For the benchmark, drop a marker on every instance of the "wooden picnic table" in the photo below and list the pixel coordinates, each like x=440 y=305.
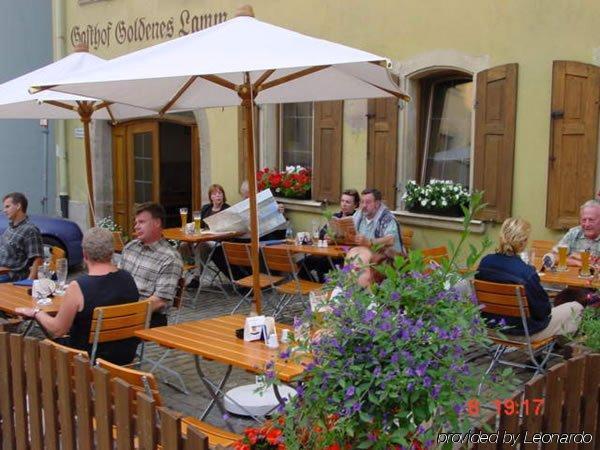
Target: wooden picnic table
x=215 y=340
x=13 y=297
x=195 y=239
x=177 y=234
x=331 y=251
x=569 y=278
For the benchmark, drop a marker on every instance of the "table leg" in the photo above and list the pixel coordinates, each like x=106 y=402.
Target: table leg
x=204 y=267
x=216 y=391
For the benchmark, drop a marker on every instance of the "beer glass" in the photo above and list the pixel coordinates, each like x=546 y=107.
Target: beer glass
x=197 y=221
x=563 y=251
x=183 y=213
x=585 y=263
x=62 y=270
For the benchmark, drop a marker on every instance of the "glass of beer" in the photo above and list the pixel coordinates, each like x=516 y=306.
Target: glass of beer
x=183 y=213
x=585 y=263
x=197 y=222
x=563 y=251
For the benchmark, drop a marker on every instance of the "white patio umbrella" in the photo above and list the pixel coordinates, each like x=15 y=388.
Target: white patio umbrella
x=17 y=103
x=239 y=62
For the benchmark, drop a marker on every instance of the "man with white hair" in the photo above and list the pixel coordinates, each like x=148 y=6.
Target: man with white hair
x=585 y=236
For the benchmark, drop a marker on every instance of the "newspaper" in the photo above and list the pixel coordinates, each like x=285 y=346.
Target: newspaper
x=237 y=217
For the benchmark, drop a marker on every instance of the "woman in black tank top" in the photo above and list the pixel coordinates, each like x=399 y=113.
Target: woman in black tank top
x=105 y=285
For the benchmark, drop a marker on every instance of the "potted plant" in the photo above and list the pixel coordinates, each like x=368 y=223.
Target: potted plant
x=439 y=197
x=390 y=367
x=293 y=182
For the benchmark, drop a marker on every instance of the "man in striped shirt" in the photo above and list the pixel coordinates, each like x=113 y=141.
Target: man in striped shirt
x=154 y=264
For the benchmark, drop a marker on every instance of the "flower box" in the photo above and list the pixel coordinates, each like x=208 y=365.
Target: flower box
x=452 y=211
x=438 y=197
x=293 y=182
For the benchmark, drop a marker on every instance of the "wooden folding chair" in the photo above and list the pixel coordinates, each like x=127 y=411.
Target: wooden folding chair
x=407 y=236
x=238 y=254
x=436 y=254
x=118 y=322
x=509 y=300
x=280 y=259
x=174 y=319
x=541 y=247
x=146 y=382
x=118 y=241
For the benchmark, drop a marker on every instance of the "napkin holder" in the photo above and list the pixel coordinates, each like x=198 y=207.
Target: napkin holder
x=258 y=328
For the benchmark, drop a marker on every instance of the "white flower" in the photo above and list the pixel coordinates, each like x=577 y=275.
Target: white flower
x=433 y=203
x=424 y=202
x=444 y=202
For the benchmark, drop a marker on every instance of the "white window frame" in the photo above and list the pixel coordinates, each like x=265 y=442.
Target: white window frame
x=280 y=137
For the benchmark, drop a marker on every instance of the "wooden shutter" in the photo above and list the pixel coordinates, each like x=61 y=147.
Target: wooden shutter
x=495 y=118
x=121 y=211
x=242 y=144
x=327 y=151
x=382 y=147
x=573 y=141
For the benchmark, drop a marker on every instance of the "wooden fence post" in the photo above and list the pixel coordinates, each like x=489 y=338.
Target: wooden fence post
x=6 y=398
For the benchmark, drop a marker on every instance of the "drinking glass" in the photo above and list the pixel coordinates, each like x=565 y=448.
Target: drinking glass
x=62 y=270
x=585 y=263
x=183 y=213
x=315 y=230
x=43 y=271
x=197 y=221
x=563 y=251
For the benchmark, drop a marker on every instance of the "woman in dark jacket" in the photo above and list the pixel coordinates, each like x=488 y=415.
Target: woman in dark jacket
x=505 y=266
x=217 y=199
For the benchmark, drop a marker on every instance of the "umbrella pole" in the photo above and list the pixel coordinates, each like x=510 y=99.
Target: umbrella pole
x=86 y=117
x=248 y=104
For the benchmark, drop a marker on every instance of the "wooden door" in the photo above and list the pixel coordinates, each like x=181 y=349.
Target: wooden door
x=382 y=147
x=573 y=141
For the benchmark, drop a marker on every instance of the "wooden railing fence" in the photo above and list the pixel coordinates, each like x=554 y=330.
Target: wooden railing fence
x=563 y=404
x=50 y=400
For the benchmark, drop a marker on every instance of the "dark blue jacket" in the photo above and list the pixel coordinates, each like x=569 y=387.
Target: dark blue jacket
x=500 y=268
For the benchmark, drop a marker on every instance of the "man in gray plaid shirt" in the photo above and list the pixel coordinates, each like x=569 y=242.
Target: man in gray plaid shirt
x=21 y=248
x=155 y=266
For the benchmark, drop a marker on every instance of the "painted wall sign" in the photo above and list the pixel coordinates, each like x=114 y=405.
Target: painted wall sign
x=142 y=29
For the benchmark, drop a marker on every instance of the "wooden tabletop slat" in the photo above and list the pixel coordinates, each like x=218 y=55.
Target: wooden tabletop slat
x=569 y=278
x=215 y=339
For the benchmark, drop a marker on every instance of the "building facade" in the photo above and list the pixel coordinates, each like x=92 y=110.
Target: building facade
x=504 y=94
x=27 y=153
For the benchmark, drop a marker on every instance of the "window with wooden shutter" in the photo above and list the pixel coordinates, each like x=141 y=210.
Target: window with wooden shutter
x=382 y=147
x=242 y=143
x=327 y=151
x=495 y=120
x=573 y=141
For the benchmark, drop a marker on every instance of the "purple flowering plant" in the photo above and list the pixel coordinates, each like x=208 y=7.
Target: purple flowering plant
x=390 y=364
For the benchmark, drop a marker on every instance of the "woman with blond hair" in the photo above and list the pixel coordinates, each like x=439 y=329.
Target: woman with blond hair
x=505 y=266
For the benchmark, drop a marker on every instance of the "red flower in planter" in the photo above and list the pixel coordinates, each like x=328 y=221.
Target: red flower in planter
x=266 y=437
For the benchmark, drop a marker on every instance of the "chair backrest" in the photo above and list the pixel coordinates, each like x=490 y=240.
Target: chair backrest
x=502 y=299
x=73 y=352
x=56 y=253
x=279 y=259
x=541 y=247
x=407 y=236
x=118 y=241
x=113 y=323
x=237 y=254
x=435 y=254
x=178 y=299
x=141 y=381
